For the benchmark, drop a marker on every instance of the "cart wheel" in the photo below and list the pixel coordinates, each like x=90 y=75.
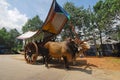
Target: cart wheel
x=31 y=52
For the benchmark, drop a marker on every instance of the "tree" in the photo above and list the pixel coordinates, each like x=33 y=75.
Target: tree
x=8 y=38
x=112 y=8
x=79 y=18
x=13 y=41
x=106 y=13
x=32 y=24
x=4 y=37
x=71 y=9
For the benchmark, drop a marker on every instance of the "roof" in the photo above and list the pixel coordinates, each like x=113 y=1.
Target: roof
x=104 y=41
x=27 y=35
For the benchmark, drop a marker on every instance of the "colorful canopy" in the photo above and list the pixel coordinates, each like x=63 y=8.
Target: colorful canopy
x=56 y=19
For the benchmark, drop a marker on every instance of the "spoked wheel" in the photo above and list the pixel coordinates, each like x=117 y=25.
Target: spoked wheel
x=31 y=52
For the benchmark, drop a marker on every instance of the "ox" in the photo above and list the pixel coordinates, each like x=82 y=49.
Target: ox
x=83 y=46
x=66 y=49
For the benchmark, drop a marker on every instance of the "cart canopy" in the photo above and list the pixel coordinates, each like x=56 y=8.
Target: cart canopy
x=56 y=19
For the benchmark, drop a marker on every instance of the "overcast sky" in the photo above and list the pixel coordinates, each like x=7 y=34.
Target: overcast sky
x=14 y=13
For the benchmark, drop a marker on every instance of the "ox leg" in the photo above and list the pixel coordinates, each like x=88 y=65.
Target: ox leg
x=66 y=62
x=43 y=59
x=74 y=61
x=46 y=61
x=29 y=56
x=34 y=58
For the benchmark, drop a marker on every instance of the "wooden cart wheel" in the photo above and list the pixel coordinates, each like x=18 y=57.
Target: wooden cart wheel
x=31 y=52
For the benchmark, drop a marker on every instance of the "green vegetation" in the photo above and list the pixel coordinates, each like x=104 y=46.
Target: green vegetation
x=32 y=24
x=8 y=38
x=97 y=22
x=113 y=59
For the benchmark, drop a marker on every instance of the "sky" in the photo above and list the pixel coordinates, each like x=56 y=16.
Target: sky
x=15 y=13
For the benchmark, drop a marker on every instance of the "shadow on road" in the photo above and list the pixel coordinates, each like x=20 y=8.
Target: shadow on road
x=81 y=65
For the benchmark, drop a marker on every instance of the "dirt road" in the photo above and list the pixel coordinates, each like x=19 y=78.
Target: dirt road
x=13 y=67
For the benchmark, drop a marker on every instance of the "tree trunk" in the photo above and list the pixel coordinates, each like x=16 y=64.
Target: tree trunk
x=96 y=52
x=101 y=52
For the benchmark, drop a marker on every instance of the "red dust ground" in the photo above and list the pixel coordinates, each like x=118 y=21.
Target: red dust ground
x=109 y=63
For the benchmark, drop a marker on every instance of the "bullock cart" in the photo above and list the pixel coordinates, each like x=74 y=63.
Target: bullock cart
x=34 y=41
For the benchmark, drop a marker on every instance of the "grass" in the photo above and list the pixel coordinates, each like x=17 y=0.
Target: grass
x=113 y=60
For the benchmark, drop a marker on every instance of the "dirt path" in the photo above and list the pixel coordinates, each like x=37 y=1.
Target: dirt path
x=13 y=67
x=108 y=63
